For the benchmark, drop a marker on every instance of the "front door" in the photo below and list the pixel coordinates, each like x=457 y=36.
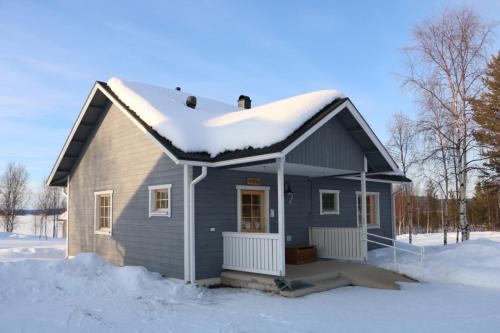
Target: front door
x=252 y=216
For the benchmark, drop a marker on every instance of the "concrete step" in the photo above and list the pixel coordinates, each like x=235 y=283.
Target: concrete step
x=319 y=286
x=249 y=280
x=313 y=278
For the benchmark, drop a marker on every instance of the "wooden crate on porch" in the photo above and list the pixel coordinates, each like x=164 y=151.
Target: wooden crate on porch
x=298 y=255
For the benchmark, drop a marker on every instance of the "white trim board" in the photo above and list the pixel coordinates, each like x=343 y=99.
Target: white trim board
x=370 y=180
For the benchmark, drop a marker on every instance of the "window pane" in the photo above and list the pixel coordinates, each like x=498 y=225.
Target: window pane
x=256 y=211
x=104 y=211
x=160 y=199
x=246 y=224
x=246 y=199
x=256 y=199
x=246 y=211
x=258 y=225
x=371 y=208
x=329 y=201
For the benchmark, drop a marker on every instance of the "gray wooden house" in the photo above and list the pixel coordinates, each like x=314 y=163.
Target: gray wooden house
x=136 y=198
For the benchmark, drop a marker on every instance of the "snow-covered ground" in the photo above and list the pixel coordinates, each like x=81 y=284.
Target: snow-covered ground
x=437 y=238
x=15 y=247
x=25 y=225
x=472 y=263
x=86 y=294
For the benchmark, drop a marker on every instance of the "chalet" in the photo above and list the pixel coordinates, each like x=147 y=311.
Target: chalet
x=194 y=188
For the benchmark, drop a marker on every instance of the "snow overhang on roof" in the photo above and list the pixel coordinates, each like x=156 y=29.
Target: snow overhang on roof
x=215 y=127
x=223 y=132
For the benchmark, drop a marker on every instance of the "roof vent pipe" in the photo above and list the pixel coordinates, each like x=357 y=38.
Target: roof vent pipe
x=244 y=102
x=191 y=102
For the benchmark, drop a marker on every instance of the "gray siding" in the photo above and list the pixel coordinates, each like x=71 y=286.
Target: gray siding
x=330 y=146
x=347 y=204
x=122 y=158
x=216 y=207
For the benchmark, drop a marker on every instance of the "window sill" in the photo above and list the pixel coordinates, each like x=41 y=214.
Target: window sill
x=105 y=232
x=330 y=213
x=159 y=214
x=374 y=226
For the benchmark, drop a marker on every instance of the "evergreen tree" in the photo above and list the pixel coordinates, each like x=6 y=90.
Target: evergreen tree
x=479 y=206
x=486 y=111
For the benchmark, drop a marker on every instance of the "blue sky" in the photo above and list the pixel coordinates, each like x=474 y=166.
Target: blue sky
x=51 y=53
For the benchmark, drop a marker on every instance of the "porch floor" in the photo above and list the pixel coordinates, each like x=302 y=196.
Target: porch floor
x=322 y=275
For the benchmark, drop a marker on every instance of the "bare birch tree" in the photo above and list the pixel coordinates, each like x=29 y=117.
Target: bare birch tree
x=445 y=65
x=403 y=148
x=435 y=126
x=49 y=203
x=13 y=193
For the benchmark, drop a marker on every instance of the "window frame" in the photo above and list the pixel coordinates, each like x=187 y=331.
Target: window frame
x=377 y=214
x=97 y=212
x=152 y=211
x=266 y=190
x=337 y=202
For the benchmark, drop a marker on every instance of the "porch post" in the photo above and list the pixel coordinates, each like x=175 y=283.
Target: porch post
x=364 y=229
x=281 y=214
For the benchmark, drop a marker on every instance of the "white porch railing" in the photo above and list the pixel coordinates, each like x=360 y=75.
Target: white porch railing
x=408 y=248
x=252 y=252
x=337 y=243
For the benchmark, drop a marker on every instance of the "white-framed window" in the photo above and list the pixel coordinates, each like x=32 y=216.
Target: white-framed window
x=253 y=208
x=372 y=209
x=159 y=200
x=103 y=212
x=329 y=202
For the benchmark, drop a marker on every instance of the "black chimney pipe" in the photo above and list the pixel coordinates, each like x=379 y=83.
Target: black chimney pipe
x=244 y=102
x=191 y=102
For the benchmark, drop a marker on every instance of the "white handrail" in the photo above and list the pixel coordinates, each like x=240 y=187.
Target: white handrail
x=395 y=248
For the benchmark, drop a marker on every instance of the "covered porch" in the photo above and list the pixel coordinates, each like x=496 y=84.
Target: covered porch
x=255 y=249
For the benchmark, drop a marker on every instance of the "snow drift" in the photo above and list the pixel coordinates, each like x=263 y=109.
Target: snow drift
x=215 y=127
x=473 y=263
x=87 y=273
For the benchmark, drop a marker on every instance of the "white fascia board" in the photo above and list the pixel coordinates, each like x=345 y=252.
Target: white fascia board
x=370 y=180
x=72 y=132
x=80 y=117
x=364 y=125
x=241 y=160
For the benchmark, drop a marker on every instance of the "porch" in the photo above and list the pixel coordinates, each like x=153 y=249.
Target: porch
x=323 y=275
x=255 y=248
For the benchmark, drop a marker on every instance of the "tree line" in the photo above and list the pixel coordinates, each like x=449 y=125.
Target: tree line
x=450 y=148
x=15 y=195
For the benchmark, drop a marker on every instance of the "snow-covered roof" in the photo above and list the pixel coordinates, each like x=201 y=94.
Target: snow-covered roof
x=215 y=127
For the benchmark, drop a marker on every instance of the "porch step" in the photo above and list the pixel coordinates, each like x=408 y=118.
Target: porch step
x=316 y=277
x=266 y=283
x=317 y=287
x=249 y=280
